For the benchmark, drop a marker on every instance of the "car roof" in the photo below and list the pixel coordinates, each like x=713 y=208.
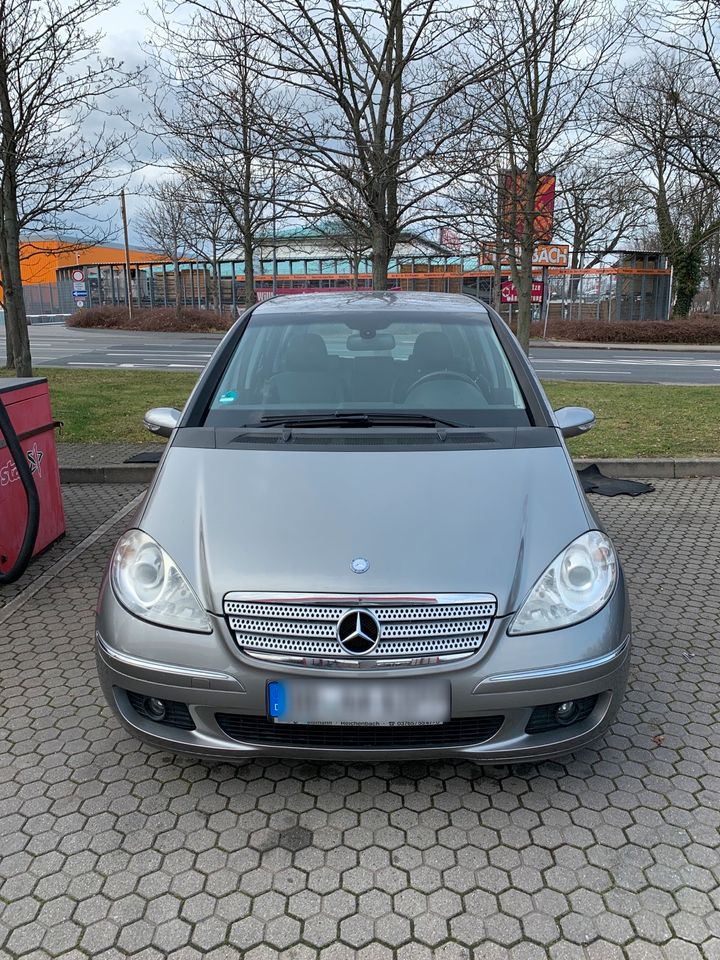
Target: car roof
x=362 y=301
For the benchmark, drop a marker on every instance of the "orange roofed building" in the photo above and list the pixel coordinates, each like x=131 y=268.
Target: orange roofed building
x=40 y=258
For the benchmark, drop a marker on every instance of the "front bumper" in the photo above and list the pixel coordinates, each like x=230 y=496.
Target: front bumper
x=508 y=677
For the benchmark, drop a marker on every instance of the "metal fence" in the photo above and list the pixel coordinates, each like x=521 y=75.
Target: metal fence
x=47 y=302
x=599 y=294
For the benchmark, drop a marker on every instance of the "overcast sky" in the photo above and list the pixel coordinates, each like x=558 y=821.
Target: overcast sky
x=125 y=28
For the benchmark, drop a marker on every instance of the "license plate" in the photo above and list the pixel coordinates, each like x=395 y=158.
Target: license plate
x=359 y=702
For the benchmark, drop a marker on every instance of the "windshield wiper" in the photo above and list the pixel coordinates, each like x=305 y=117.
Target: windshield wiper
x=350 y=419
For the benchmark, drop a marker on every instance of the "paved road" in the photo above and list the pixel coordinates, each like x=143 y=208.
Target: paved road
x=112 y=849
x=58 y=346
x=627 y=366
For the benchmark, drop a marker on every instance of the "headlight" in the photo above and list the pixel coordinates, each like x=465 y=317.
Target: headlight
x=575 y=586
x=147 y=582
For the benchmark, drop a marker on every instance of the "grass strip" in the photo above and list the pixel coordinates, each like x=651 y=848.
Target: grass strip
x=633 y=420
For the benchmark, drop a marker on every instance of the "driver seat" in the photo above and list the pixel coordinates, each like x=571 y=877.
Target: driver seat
x=431 y=353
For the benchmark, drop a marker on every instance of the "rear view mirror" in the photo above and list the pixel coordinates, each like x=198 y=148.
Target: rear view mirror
x=574 y=421
x=377 y=341
x=162 y=420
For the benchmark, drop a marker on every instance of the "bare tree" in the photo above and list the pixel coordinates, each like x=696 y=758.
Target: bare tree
x=711 y=272
x=338 y=212
x=221 y=119
x=54 y=156
x=599 y=205
x=687 y=33
x=372 y=86
x=649 y=118
x=540 y=116
x=208 y=232
x=163 y=222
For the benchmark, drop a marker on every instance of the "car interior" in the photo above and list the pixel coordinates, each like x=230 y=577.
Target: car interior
x=289 y=367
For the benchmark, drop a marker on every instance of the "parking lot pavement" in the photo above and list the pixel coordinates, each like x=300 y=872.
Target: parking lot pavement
x=112 y=849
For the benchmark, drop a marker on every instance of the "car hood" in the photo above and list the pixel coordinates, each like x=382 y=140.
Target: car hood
x=430 y=521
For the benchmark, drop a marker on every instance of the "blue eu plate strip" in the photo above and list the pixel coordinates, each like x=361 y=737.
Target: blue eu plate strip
x=276 y=698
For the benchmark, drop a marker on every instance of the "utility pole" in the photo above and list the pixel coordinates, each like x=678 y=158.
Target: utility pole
x=128 y=285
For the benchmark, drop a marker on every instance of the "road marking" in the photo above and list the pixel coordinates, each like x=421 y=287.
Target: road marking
x=42 y=581
x=640 y=362
x=162 y=355
x=586 y=373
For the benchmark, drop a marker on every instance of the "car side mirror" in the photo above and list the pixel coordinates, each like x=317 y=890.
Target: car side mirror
x=162 y=420
x=574 y=421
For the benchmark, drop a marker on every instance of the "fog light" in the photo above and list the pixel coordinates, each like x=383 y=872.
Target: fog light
x=155 y=708
x=566 y=712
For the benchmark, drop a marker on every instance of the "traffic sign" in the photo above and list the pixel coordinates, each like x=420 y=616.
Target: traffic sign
x=80 y=294
x=78 y=275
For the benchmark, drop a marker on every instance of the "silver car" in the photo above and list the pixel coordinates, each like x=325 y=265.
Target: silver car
x=366 y=539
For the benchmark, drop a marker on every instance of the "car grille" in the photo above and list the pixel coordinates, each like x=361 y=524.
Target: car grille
x=455 y=733
x=306 y=629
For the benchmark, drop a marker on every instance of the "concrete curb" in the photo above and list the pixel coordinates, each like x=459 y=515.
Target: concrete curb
x=661 y=469
x=111 y=473
x=591 y=345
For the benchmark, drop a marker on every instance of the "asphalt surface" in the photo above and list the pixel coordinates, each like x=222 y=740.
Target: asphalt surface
x=110 y=849
x=58 y=346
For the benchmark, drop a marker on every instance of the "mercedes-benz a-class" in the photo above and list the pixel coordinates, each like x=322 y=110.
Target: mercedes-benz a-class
x=366 y=539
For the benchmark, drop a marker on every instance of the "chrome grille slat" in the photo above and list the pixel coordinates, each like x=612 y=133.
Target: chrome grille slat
x=409 y=627
x=323 y=631
x=318 y=631
x=385 y=613
x=331 y=648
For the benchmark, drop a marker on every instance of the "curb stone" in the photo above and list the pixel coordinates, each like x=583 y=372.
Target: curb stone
x=593 y=345
x=664 y=468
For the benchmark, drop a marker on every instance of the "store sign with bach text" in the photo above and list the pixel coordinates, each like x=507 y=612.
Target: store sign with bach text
x=509 y=294
x=544 y=255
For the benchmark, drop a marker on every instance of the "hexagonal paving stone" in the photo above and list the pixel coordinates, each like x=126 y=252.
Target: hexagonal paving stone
x=113 y=847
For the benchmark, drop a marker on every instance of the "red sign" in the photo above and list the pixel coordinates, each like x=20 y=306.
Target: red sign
x=508 y=293
x=515 y=201
x=449 y=238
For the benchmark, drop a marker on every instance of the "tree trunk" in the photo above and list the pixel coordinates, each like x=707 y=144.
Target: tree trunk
x=527 y=246
x=9 y=345
x=497 y=282
x=524 y=292
x=217 y=280
x=9 y=340
x=176 y=273
x=380 y=258
x=14 y=303
x=248 y=246
x=713 y=279
x=687 y=281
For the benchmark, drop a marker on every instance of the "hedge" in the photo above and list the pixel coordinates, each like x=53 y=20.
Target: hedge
x=696 y=330
x=163 y=319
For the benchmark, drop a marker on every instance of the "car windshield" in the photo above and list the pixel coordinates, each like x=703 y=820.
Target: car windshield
x=386 y=366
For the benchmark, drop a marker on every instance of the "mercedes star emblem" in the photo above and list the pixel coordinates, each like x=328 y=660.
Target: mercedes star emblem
x=358 y=632
x=360 y=565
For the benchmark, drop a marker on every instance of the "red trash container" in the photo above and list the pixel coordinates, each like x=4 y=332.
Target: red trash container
x=27 y=402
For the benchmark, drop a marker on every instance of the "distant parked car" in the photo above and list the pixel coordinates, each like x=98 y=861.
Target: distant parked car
x=366 y=539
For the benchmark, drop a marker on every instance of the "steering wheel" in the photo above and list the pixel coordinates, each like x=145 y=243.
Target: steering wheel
x=443 y=375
